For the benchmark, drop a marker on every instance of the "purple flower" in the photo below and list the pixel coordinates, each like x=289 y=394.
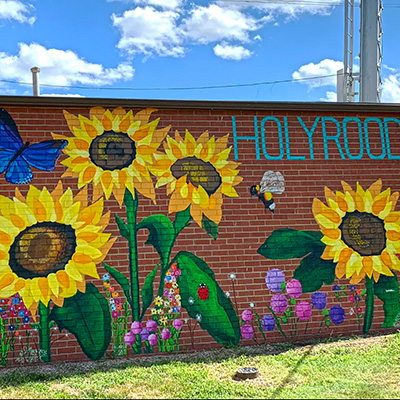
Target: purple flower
x=177 y=324
x=247 y=315
x=137 y=327
x=318 y=300
x=268 y=323
x=274 y=279
x=293 y=288
x=144 y=335
x=303 y=311
x=337 y=314
x=153 y=339
x=165 y=334
x=130 y=339
x=247 y=331
x=151 y=325
x=279 y=303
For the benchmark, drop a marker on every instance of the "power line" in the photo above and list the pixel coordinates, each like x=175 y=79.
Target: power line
x=178 y=88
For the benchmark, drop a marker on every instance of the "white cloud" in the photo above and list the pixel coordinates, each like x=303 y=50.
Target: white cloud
x=323 y=68
x=390 y=90
x=214 y=23
x=61 y=95
x=146 y=30
x=330 y=96
x=16 y=10
x=165 y=4
x=59 y=67
x=229 y=52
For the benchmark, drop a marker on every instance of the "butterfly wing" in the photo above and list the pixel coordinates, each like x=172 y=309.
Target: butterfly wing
x=5 y=158
x=273 y=182
x=10 y=140
x=44 y=155
x=19 y=172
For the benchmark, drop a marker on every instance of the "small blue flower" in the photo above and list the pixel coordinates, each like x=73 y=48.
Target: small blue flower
x=1 y=309
x=11 y=328
x=175 y=309
x=21 y=313
x=106 y=277
x=26 y=319
x=15 y=300
x=352 y=288
x=113 y=307
x=357 y=298
x=168 y=278
x=336 y=287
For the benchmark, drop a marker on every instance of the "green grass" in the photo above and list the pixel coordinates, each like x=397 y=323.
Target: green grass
x=354 y=369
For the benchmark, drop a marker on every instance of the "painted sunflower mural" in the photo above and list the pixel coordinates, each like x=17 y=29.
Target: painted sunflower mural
x=116 y=151
x=113 y=150
x=359 y=240
x=50 y=241
x=197 y=173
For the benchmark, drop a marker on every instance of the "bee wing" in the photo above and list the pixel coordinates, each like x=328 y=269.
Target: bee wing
x=273 y=182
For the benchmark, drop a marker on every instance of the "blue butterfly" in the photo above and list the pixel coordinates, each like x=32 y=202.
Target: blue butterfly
x=17 y=158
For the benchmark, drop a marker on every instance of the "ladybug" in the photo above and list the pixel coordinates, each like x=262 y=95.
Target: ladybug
x=203 y=291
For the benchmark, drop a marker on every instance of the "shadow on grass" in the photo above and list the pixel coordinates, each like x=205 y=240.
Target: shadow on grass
x=22 y=374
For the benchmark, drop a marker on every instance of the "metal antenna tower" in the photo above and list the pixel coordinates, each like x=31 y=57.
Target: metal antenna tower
x=369 y=77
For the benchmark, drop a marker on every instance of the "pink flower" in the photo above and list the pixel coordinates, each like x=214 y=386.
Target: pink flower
x=137 y=327
x=130 y=339
x=303 y=310
x=351 y=299
x=115 y=314
x=293 y=288
x=177 y=324
x=279 y=303
x=359 y=309
x=151 y=325
x=152 y=339
x=165 y=334
x=247 y=315
x=247 y=331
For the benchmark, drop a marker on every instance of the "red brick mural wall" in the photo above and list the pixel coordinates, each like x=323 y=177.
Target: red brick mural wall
x=129 y=227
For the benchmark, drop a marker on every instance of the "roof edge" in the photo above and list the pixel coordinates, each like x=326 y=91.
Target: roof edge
x=53 y=101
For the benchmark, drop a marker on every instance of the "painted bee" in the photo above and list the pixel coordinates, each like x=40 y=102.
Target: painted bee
x=272 y=182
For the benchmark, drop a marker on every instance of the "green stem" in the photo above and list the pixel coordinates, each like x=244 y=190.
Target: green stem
x=369 y=305
x=259 y=325
x=278 y=324
x=44 y=333
x=131 y=205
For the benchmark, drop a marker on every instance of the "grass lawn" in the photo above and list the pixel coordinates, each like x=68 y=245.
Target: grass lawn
x=354 y=369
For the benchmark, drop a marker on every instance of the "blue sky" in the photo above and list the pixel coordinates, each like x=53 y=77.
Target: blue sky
x=145 y=44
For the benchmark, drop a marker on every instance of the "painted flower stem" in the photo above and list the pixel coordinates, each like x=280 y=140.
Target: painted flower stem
x=44 y=333
x=131 y=205
x=369 y=305
x=278 y=324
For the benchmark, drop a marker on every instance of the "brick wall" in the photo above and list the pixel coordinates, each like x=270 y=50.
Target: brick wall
x=309 y=162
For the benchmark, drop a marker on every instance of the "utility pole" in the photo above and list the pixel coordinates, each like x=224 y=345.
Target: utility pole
x=370 y=50
x=35 y=80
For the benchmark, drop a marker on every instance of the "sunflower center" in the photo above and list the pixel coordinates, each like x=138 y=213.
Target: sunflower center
x=112 y=150
x=198 y=172
x=363 y=232
x=42 y=249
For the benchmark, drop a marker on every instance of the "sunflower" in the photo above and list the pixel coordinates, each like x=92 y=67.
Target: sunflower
x=197 y=173
x=113 y=150
x=49 y=242
x=361 y=231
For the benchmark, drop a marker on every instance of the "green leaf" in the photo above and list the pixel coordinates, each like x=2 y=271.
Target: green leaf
x=87 y=317
x=328 y=322
x=313 y=272
x=284 y=244
x=287 y=313
x=343 y=287
x=284 y=320
x=218 y=317
x=182 y=220
x=210 y=227
x=161 y=235
x=293 y=301
x=123 y=228
x=148 y=291
x=387 y=290
x=325 y=312
x=283 y=286
x=363 y=292
x=121 y=279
